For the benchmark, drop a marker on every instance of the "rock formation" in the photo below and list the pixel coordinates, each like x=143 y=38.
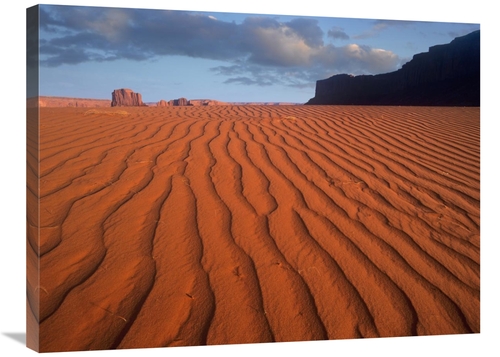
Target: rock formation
x=186 y=102
x=173 y=103
x=58 y=102
x=126 y=98
x=181 y=102
x=447 y=75
x=206 y=102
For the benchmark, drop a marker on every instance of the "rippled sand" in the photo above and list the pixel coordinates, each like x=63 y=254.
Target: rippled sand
x=241 y=224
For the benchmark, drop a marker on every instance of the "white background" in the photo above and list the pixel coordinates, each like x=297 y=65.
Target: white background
x=13 y=175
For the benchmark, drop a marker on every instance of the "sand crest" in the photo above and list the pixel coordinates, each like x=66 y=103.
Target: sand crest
x=184 y=226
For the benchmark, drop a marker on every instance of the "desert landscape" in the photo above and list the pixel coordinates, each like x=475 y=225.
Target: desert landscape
x=225 y=207
x=191 y=225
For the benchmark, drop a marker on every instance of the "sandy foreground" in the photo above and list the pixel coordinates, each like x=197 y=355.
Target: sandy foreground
x=241 y=224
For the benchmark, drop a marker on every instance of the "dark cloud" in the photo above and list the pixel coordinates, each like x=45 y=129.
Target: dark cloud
x=337 y=34
x=230 y=70
x=249 y=81
x=309 y=30
x=69 y=56
x=253 y=74
x=259 y=51
x=121 y=32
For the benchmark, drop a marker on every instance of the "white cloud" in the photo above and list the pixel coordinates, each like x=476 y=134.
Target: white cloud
x=280 y=46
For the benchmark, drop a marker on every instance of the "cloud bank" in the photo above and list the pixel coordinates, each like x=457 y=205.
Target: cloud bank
x=259 y=51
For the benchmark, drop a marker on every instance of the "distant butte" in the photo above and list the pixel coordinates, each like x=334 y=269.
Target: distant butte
x=447 y=75
x=126 y=98
x=185 y=102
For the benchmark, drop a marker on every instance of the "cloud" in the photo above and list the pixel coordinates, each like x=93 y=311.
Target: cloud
x=254 y=74
x=381 y=25
x=357 y=59
x=276 y=46
x=259 y=51
x=118 y=33
x=337 y=33
x=249 y=81
x=326 y=61
x=308 y=30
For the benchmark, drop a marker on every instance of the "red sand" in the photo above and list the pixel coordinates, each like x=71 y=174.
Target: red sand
x=241 y=224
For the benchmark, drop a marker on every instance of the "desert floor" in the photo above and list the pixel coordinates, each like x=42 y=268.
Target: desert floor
x=241 y=224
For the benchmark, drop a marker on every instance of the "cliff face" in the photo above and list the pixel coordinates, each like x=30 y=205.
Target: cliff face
x=447 y=75
x=126 y=98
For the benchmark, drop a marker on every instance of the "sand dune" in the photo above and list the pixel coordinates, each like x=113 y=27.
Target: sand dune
x=240 y=224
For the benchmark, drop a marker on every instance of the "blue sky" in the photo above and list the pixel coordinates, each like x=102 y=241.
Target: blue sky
x=88 y=52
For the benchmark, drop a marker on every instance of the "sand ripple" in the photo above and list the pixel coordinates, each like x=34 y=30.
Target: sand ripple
x=240 y=224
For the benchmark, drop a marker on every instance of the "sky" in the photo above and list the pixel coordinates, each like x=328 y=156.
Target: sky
x=87 y=52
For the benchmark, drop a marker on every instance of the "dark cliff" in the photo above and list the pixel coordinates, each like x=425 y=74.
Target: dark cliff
x=447 y=75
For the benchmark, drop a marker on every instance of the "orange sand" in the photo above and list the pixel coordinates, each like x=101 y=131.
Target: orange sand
x=241 y=224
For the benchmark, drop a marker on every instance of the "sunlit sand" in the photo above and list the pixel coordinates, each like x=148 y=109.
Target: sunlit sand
x=184 y=226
